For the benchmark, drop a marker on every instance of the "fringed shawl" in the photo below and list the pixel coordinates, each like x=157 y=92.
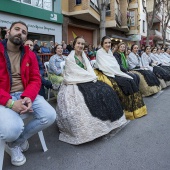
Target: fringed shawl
x=107 y=63
x=155 y=58
x=74 y=74
x=134 y=60
x=146 y=61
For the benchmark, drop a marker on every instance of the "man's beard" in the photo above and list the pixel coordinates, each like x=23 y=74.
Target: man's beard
x=16 y=40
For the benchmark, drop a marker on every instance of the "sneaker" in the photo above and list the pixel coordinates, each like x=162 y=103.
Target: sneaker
x=24 y=146
x=17 y=157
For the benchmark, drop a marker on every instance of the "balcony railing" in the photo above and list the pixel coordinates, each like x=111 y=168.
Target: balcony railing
x=46 y=56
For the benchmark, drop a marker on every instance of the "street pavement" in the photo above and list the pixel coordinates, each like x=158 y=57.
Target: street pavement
x=143 y=144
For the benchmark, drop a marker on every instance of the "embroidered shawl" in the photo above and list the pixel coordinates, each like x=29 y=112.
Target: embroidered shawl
x=74 y=74
x=134 y=60
x=108 y=64
x=146 y=61
x=155 y=58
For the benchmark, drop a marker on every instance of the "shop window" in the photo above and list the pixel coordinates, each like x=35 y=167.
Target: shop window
x=41 y=38
x=78 y=2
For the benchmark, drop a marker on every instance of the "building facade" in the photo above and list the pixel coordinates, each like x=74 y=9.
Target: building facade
x=81 y=18
x=43 y=18
x=117 y=21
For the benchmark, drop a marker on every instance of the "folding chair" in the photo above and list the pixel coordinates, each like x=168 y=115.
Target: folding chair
x=2 y=148
x=46 y=65
x=92 y=62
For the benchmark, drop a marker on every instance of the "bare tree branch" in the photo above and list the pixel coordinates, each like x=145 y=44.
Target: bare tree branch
x=151 y=15
x=165 y=18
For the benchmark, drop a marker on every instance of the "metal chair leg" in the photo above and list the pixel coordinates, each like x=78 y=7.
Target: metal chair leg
x=42 y=140
x=2 y=148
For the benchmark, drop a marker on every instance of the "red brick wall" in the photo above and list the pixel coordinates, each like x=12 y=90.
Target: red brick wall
x=87 y=34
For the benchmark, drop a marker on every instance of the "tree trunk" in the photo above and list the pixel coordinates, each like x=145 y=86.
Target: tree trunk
x=102 y=22
x=165 y=19
x=164 y=36
x=149 y=20
x=148 y=35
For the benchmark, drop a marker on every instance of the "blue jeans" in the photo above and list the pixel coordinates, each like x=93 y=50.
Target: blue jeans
x=12 y=128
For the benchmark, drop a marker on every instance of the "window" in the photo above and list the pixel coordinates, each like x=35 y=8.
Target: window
x=143 y=26
x=78 y=2
x=38 y=3
x=108 y=12
x=94 y=2
x=44 y=4
x=47 y=4
x=27 y=1
x=132 y=18
x=17 y=0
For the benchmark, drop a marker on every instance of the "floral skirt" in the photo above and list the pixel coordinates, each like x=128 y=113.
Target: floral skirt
x=133 y=104
x=149 y=83
x=86 y=114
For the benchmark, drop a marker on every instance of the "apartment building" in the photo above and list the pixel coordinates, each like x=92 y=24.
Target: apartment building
x=156 y=31
x=43 y=18
x=137 y=22
x=81 y=17
x=117 y=21
x=155 y=37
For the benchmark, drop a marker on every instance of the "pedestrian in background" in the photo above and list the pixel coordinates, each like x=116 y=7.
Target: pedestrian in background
x=44 y=82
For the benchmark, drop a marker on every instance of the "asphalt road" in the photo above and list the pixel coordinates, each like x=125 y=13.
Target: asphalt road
x=143 y=144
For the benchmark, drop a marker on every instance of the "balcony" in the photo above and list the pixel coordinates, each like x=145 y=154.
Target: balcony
x=156 y=35
x=86 y=10
x=155 y=32
x=157 y=17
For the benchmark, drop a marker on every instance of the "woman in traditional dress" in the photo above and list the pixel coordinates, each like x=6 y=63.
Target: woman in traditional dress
x=164 y=60
x=155 y=57
x=56 y=65
x=120 y=56
x=87 y=108
x=152 y=65
x=149 y=83
x=108 y=71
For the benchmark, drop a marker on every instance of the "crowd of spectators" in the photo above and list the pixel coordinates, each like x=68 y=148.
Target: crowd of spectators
x=99 y=88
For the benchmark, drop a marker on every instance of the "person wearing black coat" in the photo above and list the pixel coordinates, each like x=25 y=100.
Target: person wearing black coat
x=120 y=56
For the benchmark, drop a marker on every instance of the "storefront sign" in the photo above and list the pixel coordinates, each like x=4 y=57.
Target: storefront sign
x=34 y=26
x=33 y=10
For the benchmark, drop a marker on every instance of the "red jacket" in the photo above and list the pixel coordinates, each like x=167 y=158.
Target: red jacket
x=29 y=74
